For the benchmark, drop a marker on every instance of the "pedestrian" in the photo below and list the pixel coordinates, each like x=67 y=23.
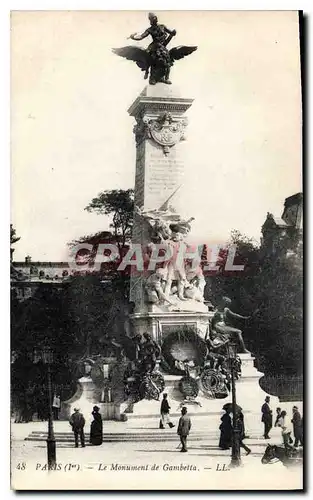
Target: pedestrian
x=278 y=415
x=297 y=426
x=285 y=431
x=56 y=405
x=96 y=429
x=241 y=432
x=77 y=423
x=183 y=429
x=267 y=417
x=165 y=413
x=226 y=429
x=40 y=405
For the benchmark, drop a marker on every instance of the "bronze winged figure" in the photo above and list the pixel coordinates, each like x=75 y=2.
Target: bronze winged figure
x=156 y=60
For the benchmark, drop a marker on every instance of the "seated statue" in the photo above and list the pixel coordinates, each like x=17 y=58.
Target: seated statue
x=149 y=353
x=155 y=285
x=222 y=328
x=194 y=288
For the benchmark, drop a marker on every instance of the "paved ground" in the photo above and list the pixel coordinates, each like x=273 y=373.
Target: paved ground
x=105 y=467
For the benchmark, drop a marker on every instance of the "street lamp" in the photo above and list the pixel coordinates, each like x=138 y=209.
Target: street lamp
x=46 y=355
x=235 y=450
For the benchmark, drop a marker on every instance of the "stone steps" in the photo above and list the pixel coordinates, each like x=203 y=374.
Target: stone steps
x=157 y=436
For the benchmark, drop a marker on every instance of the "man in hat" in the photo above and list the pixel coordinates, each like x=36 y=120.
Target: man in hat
x=77 y=422
x=165 y=413
x=267 y=417
x=183 y=429
x=297 y=426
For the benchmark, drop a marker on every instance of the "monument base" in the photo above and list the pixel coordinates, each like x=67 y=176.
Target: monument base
x=160 y=323
x=86 y=396
x=250 y=396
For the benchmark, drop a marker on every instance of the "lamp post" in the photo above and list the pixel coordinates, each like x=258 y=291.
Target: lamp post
x=235 y=451
x=47 y=358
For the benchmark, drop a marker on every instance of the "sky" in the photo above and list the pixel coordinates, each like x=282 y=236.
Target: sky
x=71 y=135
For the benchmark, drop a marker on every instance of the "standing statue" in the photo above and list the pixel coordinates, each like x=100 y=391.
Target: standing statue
x=156 y=58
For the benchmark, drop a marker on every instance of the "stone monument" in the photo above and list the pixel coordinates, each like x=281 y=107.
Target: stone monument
x=168 y=296
x=168 y=291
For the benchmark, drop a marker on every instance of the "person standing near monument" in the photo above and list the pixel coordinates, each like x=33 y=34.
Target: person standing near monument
x=77 y=422
x=183 y=429
x=96 y=427
x=278 y=415
x=165 y=412
x=297 y=426
x=226 y=429
x=285 y=431
x=267 y=417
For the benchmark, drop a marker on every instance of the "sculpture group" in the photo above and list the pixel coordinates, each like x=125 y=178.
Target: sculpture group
x=177 y=281
x=156 y=60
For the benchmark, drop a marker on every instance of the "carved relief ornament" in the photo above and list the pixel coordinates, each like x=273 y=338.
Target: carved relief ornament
x=164 y=130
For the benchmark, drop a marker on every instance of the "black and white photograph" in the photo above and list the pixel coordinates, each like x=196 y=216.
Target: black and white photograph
x=156 y=250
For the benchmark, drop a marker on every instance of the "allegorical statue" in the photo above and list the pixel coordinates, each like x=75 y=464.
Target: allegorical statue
x=223 y=328
x=156 y=59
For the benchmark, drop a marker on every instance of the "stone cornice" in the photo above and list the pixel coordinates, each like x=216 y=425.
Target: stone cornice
x=153 y=105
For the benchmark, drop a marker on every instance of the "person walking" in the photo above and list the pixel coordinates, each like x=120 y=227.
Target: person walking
x=226 y=429
x=267 y=417
x=96 y=428
x=297 y=426
x=77 y=422
x=165 y=413
x=184 y=426
x=56 y=405
x=241 y=429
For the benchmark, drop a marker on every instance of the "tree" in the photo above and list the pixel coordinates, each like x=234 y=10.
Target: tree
x=118 y=204
x=239 y=286
x=36 y=322
x=13 y=239
x=273 y=287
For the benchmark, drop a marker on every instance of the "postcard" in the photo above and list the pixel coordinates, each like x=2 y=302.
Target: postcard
x=156 y=250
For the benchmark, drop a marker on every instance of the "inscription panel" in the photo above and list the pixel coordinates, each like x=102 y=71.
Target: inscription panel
x=163 y=174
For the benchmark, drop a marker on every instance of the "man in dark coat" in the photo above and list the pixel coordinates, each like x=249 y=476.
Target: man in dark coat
x=267 y=417
x=165 y=413
x=241 y=429
x=184 y=427
x=297 y=426
x=278 y=415
x=226 y=429
x=77 y=423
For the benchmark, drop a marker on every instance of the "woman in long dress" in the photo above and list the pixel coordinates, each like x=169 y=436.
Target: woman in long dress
x=226 y=431
x=96 y=427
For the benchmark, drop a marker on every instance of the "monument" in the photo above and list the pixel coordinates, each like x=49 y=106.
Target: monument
x=168 y=293
x=178 y=346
